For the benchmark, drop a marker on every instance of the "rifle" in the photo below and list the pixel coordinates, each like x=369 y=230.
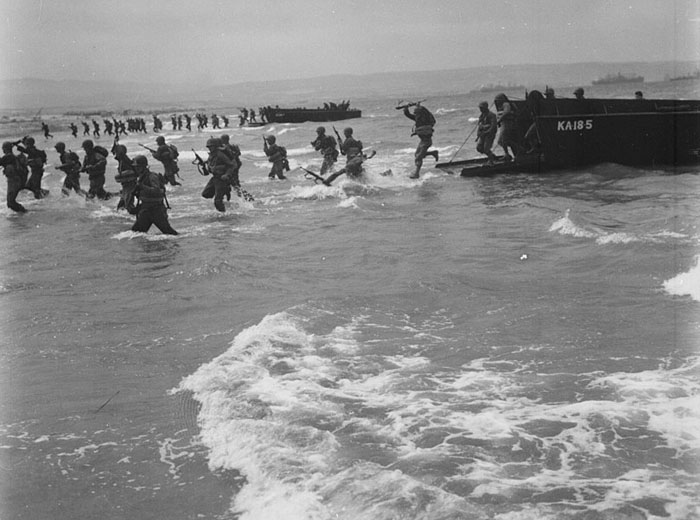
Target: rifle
x=201 y=164
x=147 y=148
x=116 y=142
x=314 y=176
x=402 y=104
x=340 y=140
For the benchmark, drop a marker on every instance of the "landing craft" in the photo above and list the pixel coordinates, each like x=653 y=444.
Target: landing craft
x=580 y=132
x=319 y=115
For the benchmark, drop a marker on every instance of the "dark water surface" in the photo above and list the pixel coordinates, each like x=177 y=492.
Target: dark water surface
x=515 y=347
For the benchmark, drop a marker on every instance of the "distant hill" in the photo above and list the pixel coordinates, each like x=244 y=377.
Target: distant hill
x=53 y=96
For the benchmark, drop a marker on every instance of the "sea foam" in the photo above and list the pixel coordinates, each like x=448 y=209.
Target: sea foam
x=686 y=284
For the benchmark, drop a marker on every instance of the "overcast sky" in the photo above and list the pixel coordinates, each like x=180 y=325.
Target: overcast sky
x=230 y=41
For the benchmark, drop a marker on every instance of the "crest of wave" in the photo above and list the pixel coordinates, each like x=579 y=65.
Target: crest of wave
x=686 y=284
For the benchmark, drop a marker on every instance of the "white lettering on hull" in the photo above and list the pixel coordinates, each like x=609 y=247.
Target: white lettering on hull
x=575 y=125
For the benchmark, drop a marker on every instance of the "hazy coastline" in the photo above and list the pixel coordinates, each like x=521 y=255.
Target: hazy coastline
x=54 y=96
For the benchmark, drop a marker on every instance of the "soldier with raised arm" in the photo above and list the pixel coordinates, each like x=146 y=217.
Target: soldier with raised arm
x=424 y=130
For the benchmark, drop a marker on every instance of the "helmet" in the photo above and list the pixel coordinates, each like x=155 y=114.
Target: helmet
x=29 y=140
x=321 y=130
x=578 y=91
x=271 y=139
x=119 y=149
x=501 y=97
x=224 y=138
x=140 y=160
x=347 y=131
x=160 y=139
x=7 y=146
x=213 y=142
x=88 y=144
x=60 y=146
x=483 y=104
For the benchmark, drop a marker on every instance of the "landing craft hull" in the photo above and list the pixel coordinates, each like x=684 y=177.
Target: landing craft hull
x=629 y=132
x=301 y=115
x=574 y=133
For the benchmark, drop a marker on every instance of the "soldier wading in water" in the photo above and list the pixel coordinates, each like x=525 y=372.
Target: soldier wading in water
x=150 y=191
x=221 y=169
x=425 y=121
x=325 y=144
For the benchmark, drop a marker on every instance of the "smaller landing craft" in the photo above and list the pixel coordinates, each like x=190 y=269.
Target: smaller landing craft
x=319 y=115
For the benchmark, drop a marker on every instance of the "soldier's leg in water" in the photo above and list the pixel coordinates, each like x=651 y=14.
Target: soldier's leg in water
x=143 y=221
x=160 y=219
x=220 y=192
x=14 y=186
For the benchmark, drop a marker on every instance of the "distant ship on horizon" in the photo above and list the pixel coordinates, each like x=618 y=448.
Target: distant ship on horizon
x=692 y=75
x=498 y=87
x=611 y=79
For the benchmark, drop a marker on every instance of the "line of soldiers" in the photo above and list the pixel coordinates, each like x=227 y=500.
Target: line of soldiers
x=250 y=116
x=223 y=164
x=116 y=127
x=25 y=170
x=112 y=127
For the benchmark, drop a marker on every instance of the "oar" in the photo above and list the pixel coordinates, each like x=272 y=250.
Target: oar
x=465 y=142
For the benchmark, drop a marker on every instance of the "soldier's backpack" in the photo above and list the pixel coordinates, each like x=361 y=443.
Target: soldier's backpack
x=101 y=150
x=430 y=116
x=173 y=152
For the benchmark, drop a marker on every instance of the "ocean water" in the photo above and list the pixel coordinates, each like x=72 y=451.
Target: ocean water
x=518 y=347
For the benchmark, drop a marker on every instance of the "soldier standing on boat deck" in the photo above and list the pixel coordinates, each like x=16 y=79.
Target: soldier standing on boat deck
x=486 y=132
x=506 y=120
x=326 y=144
x=424 y=130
